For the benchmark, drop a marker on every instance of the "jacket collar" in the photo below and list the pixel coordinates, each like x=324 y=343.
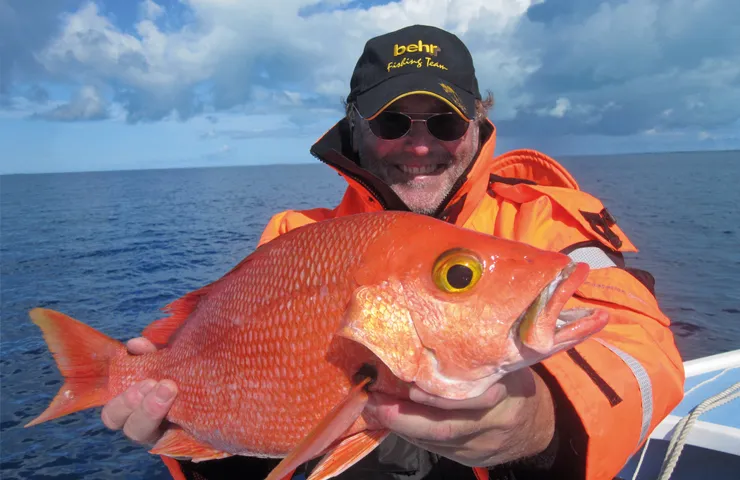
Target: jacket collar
x=334 y=149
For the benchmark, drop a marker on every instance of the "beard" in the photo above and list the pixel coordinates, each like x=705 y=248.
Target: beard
x=422 y=190
x=422 y=193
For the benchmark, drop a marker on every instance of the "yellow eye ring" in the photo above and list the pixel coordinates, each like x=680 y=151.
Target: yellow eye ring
x=457 y=271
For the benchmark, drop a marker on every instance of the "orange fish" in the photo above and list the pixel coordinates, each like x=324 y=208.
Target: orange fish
x=275 y=358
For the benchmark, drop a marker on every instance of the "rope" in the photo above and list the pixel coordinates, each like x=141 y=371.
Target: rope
x=705 y=382
x=642 y=457
x=682 y=428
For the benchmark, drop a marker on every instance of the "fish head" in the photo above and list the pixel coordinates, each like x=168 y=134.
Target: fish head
x=456 y=312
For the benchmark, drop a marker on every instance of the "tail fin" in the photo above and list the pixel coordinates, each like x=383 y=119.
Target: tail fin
x=83 y=355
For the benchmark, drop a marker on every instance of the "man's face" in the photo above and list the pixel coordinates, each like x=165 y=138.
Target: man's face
x=420 y=168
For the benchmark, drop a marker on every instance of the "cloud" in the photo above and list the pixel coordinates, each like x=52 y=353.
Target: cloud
x=25 y=27
x=36 y=94
x=86 y=104
x=224 y=151
x=150 y=10
x=642 y=57
x=239 y=127
x=231 y=52
x=609 y=67
x=562 y=105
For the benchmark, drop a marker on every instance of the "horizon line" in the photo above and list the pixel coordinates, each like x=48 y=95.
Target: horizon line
x=318 y=162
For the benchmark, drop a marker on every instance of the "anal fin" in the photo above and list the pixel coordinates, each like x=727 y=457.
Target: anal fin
x=177 y=443
x=481 y=473
x=318 y=440
x=350 y=451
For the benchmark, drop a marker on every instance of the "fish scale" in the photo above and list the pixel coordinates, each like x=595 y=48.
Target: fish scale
x=270 y=393
x=266 y=357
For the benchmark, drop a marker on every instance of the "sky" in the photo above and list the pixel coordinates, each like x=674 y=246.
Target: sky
x=123 y=84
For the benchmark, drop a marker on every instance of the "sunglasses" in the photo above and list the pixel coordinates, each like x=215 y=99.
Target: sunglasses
x=446 y=126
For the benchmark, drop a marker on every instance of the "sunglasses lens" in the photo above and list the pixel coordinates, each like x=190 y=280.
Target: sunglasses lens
x=390 y=125
x=447 y=127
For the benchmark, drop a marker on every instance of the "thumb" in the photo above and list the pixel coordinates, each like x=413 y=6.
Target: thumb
x=140 y=346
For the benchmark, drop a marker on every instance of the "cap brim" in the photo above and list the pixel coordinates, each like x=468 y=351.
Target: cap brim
x=377 y=99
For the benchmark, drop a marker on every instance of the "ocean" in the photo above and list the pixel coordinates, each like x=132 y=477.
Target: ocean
x=113 y=248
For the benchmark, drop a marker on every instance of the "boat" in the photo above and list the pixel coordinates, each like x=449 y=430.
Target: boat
x=700 y=438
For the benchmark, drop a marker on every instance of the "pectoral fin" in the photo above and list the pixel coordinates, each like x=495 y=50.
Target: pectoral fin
x=325 y=433
x=350 y=451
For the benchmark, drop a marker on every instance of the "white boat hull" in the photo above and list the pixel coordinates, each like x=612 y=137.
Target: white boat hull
x=712 y=444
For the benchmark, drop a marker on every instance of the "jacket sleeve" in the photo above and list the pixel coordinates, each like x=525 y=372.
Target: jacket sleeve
x=274 y=228
x=288 y=220
x=619 y=384
x=612 y=390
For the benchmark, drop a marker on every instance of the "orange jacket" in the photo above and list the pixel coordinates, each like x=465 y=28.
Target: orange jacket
x=619 y=384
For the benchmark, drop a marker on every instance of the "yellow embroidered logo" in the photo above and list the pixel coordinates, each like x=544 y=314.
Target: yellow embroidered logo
x=420 y=62
x=453 y=96
x=417 y=62
x=420 y=47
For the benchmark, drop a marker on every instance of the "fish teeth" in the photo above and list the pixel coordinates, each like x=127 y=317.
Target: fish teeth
x=571 y=315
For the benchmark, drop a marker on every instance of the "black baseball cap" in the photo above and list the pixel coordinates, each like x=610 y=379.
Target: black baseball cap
x=412 y=60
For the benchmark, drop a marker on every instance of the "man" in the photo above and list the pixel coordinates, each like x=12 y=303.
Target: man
x=416 y=137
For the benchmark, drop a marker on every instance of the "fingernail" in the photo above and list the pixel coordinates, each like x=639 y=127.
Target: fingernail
x=146 y=386
x=164 y=393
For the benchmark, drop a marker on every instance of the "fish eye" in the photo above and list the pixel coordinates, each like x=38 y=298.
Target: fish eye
x=457 y=271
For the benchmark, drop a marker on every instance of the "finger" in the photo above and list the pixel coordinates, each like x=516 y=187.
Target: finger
x=119 y=409
x=140 y=346
x=486 y=400
x=519 y=383
x=454 y=452
x=420 y=422
x=144 y=424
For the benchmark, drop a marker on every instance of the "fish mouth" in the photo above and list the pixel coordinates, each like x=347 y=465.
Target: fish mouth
x=545 y=324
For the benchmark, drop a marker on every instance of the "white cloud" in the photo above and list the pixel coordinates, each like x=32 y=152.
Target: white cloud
x=562 y=105
x=234 y=48
x=86 y=104
x=571 y=66
x=89 y=45
x=670 y=63
x=150 y=10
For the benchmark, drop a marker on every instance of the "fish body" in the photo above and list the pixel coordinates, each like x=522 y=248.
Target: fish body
x=275 y=358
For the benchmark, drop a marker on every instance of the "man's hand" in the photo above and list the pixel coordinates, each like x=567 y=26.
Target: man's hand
x=141 y=409
x=513 y=419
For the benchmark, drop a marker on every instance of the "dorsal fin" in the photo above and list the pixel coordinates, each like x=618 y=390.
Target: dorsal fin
x=159 y=332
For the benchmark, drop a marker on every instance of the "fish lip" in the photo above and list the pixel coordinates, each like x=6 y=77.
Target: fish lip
x=552 y=293
x=567 y=279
